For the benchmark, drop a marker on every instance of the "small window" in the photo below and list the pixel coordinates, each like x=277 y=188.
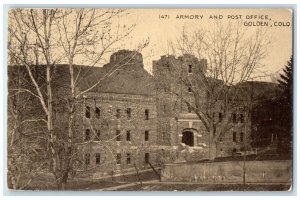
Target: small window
x=128 y=137
x=220 y=117
x=241 y=118
x=146 y=114
x=190 y=89
x=128 y=158
x=146 y=135
x=163 y=135
x=164 y=108
x=190 y=69
x=97 y=158
x=118 y=158
x=97 y=138
x=87 y=135
x=234 y=136
x=234 y=119
x=87 y=158
x=118 y=135
x=189 y=109
x=147 y=158
x=97 y=113
x=118 y=115
x=87 y=112
x=128 y=111
x=242 y=137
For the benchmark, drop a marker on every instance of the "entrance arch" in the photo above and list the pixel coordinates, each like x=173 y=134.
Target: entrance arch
x=188 y=137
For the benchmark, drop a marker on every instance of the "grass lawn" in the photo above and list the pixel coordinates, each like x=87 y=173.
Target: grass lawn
x=205 y=187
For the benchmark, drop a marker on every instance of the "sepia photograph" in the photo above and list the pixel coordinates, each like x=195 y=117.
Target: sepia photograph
x=149 y=99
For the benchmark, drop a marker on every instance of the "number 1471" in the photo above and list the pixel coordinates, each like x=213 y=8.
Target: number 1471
x=164 y=17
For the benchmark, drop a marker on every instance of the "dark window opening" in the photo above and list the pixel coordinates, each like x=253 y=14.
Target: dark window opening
x=118 y=158
x=87 y=112
x=146 y=114
x=128 y=138
x=221 y=137
x=234 y=150
x=118 y=135
x=165 y=89
x=146 y=135
x=220 y=117
x=87 y=158
x=97 y=158
x=189 y=109
x=87 y=135
x=190 y=68
x=188 y=138
x=118 y=115
x=242 y=118
x=147 y=156
x=234 y=136
x=163 y=135
x=128 y=159
x=241 y=136
x=189 y=89
x=97 y=112
x=234 y=118
x=128 y=113
x=97 y=138
x=164 y=108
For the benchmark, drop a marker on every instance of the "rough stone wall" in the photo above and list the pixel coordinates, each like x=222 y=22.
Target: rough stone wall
x=167 y=83
x=275 y=171
x=109 y=144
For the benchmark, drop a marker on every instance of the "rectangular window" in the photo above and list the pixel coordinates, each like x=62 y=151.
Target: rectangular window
x=234 y=118
x=146 y=114
x=190 y=89
x=128 y=113
x=97 y=158
x=97 y=112
x=234 y=136
x=118 y=115
x=189 y=109
x=97 y=138
x=190 y=68
x=242 y=137
x=87 y=158
x=118 y=158
x=147 y=158
x=128 y=138
x=163 y=135
x=146 y=135
x=128 y=159
x=164 y=108
x=87 y=112
x=87 y=135
x=118 y=135
x=220 y=117
x=241 y=118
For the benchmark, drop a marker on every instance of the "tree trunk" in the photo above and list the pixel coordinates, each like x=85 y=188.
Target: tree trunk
x=212 y=143
x=212 y=150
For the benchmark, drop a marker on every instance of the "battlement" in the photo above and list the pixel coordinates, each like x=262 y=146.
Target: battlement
x=123 y=56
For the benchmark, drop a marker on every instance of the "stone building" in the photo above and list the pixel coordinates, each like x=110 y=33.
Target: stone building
x=180 y=123
x=128 y=119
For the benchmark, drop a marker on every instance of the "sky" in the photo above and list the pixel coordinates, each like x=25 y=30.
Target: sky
x=150 y=24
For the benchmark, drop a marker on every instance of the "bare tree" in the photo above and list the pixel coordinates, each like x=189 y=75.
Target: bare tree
x=46 y=37
x=221 y=59
x=30 y=33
